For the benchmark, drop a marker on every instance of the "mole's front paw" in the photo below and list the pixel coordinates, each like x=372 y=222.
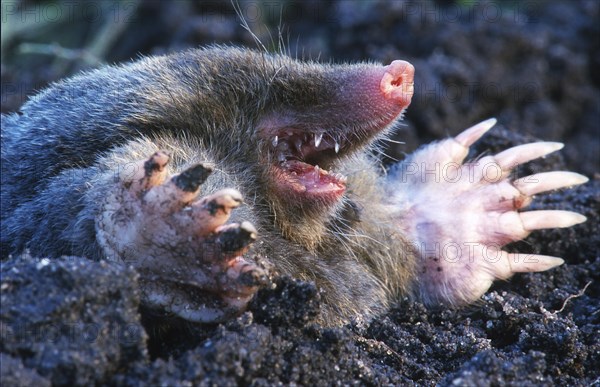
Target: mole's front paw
x=460 y=215
x=189 y=261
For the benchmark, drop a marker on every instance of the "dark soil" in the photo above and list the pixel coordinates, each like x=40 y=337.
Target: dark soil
x=533 y=65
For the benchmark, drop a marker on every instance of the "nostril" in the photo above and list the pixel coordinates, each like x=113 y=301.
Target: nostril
x=397 y=82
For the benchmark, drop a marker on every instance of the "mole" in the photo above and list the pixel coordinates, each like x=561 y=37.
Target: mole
x=212 y=170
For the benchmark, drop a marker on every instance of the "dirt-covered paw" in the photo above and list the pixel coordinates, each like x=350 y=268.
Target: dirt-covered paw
x=190 y=261
x=460 y=215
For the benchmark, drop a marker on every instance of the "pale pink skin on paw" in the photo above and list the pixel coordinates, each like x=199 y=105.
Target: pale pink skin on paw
x=190 y=262
x=459 y=215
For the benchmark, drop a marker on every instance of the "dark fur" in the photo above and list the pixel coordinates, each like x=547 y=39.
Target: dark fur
x=60 y=155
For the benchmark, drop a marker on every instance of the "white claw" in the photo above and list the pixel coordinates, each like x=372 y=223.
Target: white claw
x=548 y=181
x=468 y=137
x=275 y=141
x=318 y=138
x=337 y=147
x=520 y=154
x=526 y=263
x=536 y=220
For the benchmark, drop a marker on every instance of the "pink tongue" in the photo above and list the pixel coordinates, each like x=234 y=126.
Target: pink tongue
x=313 y=181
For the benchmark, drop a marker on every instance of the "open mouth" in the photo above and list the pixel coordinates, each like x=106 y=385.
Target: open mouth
x=304 y=153
x=301 y=160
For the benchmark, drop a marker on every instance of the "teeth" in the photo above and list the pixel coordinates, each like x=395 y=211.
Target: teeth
x=281 y=157
x=341 y=178
x=337 y=147
x=275 y=140
x=318 y=138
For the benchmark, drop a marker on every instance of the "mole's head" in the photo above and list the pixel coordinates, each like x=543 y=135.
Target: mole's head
x=319 y=116
x=294 y=122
